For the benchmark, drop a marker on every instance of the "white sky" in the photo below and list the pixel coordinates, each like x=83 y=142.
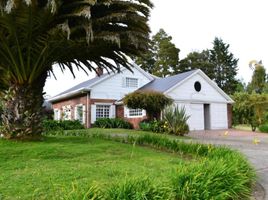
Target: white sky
x=194 y=24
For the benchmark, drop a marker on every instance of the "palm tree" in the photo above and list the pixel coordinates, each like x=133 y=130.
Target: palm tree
x=35 y=34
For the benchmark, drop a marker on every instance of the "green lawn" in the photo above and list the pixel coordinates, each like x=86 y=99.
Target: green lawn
x=244 y=127
x=115 y=164
x=38 y=169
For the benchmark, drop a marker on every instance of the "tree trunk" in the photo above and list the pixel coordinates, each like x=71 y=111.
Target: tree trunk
x=22 y=110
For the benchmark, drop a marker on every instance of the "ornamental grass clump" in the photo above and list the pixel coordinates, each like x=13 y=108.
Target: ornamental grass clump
x=176 y=120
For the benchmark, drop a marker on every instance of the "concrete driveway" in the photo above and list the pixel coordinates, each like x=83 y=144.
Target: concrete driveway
x=253 y=145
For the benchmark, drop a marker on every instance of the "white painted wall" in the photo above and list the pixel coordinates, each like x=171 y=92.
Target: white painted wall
x=185 y=95
x=186 y=91
x=113 y=87
x=219 y=117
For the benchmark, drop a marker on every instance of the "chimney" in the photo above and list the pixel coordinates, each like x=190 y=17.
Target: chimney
x=99 y=71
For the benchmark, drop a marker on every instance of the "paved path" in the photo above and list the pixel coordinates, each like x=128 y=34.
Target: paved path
x=253 y=145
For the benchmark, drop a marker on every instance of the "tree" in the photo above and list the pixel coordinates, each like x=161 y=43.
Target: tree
x=198 y=60
x=35 y=34
x=258 y=81
x=225 y=66
x=151 y=101
x=249 y=109
x=162 y=57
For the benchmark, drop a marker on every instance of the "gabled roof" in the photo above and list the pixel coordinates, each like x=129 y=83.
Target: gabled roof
x=87 y=85
x=163 y=84
x=167 y=84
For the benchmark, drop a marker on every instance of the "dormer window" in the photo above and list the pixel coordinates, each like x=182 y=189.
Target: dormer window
x=131 y=82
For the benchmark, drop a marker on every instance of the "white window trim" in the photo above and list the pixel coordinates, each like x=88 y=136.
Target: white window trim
x=56 y=118
x=103 y=104
x=126 y=111
x=83 y=113
x=131 y=77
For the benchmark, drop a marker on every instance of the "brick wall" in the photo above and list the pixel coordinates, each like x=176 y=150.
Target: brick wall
x=81 y=99
x=134 y=121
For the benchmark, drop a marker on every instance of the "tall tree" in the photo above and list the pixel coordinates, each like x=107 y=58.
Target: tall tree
x=198 y=60
x=162 y=57
x=225 y=66
x=35 y=34
x=258 y=81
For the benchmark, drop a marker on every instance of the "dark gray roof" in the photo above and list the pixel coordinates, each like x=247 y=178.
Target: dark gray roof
x=84 y=84
x=163 y=84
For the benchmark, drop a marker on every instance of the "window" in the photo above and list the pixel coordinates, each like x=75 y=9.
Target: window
x=131 y=82
x=197 y=86
x=135 y=112
x=102 y=111
x=79 y=113
x=67 y=115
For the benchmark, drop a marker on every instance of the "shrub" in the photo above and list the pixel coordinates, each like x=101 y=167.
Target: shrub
x=52 y=125
x=249 y=109
x=138 y=189
x=112 y=123
x=263 y=128
x=155 y=126
x=176 y=119
x=151 y=101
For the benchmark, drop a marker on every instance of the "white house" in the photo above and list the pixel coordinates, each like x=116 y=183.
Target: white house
x=208 y=106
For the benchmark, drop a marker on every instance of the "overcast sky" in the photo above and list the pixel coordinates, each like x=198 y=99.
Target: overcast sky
x=194 y=24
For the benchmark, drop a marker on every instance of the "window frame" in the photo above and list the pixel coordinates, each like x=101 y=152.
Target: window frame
x=128 y=115
x=130 y=84
x=104 y=115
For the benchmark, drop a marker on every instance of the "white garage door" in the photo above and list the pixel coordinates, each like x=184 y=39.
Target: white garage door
x=196 y=113
x=196 y=120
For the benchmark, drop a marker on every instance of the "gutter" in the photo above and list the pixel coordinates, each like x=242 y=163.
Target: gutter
x=68 y=95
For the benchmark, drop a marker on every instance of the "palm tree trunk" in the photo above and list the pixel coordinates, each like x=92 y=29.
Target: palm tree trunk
x=22 y=110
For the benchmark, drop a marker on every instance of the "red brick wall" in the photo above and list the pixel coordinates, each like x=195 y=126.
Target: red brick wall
x=230 y=115
x=120 y=111
x=81 y=99
x=134 y=121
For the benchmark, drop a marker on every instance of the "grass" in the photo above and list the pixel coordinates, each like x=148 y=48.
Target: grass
x=121 y=164
x=41 y=167
x=118 y=132
x=244 y=127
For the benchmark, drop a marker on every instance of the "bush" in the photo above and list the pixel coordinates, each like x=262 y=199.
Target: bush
x=176 y=119
x=154 y=126
x=138 y=189
x=52 y=125
x=263 y=128
x=151 y=101
x=112 y=123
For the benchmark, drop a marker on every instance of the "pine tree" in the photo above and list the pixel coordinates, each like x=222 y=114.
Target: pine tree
x=198 y=60
x=162 y=57
x=225 y=66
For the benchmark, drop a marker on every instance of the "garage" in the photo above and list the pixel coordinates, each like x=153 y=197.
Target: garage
x=205 y=103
